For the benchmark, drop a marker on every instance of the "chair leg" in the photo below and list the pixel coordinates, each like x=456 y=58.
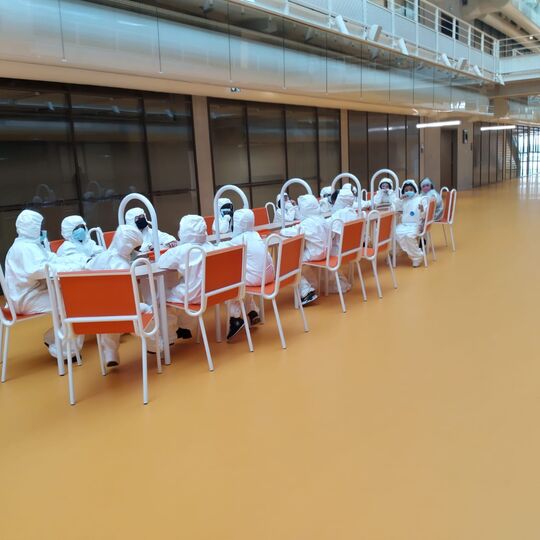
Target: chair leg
x=376 y=275
x=158 y=353
x=1 y=338
x=278 y=321
x=261 y=309
x=100 y=352
x=424 y=253
x=452 y=237
x=246 y=325
x=444 y=232
x=362 y=284
x=432 y=246
x=302 y=312
x=5 y=350
x=325 y=282
x=217 y=311
x=70 y=374
x=338 y=284
x=392 y=271
x=59 y=355
x=206 y=346
x=144 y=358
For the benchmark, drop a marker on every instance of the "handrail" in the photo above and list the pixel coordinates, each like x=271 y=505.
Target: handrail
x=217 y=196
x=284 y=188
x=352 y=177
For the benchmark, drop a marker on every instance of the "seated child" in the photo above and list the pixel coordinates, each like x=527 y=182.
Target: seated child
x=428 y=190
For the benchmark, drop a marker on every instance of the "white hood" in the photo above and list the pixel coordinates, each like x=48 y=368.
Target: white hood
x=126 y=239
x=68 y=225
x=222 y=202
x=326 y=191
x=427 y=182
x=345 y=198
x=243 y=221
x=192 y=230
x=28 y=224
x=410 y=183
x=133 y=213
x=387 y=181
x=308 y=206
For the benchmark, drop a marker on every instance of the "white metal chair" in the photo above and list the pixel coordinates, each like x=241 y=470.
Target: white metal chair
x=351 y=241
x=381 y=226
x=447 y=219
x=223 y=280
x=425 y=235
x=288 y=271
x=9 y=318
x=105 y=302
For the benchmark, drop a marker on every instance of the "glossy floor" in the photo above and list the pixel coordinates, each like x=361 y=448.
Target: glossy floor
x=412 y=417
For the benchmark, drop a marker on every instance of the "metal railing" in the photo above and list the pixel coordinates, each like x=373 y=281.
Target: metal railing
x=519 y=46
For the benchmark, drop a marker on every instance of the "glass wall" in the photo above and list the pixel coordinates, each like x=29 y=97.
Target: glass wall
x=379 y=141
x=258 y=146
x=78 y=150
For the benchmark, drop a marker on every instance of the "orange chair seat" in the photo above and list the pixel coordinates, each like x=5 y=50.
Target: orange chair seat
x=368 y=252
x=256 y=289
x=7 y=314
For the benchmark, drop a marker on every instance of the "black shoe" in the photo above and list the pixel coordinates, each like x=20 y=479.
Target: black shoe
x=235 y=325
x=73 y=360
x=112 y=363
x=183 y=333
x=311 y=296
x=254 y=318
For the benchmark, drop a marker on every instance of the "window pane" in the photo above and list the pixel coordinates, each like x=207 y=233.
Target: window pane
x=301 y=143
x=229 y=143
x=36 y=160
x=377 y=142
x=266 y=143
x=20 y=99
x=329 y=144
x=485 y=157
x=169 y=131
x=263 y=194
x=358 y=146
x=397 y=145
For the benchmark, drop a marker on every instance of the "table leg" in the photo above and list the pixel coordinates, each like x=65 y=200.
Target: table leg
x=162 y=299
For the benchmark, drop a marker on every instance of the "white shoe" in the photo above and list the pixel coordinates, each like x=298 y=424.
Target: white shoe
x=416 y=264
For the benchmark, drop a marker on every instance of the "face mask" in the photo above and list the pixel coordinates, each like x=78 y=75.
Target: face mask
x=141 y=223
x=385 y=190
x=410 y=194
x=79 y=234
x=227 y=210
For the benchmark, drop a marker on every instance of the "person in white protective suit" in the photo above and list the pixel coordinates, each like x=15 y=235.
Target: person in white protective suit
x=225 y=215
x=77 y=241
x=292 y=212
x=136 y=217
x=258 y=264
x=428 y=190
x=409 y=228
x=315 y=229
x=25 y=271
x=191 y=232
x=324 y=202
x=385 y=197
x=118 y=257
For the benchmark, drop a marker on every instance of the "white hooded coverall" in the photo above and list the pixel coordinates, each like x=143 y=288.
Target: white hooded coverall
x=324 y=202
x=292 y=212
x=147 y=244
x=225 y=220
x=385 y=198
x=72 y=247
x=192 y=232
x=408 y=230
x=258 y=260
x=434 y=194
x=315 y=229
x=25 y=270
x=118 y=257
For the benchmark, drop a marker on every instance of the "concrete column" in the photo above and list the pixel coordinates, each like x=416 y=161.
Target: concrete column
x=203 y=154
x=464 y=175
x=432 y=155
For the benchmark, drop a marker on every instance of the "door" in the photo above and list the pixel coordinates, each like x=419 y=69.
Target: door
x=449 y=158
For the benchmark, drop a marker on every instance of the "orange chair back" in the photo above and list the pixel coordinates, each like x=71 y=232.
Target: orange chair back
x=430 y=214
x=55 y=245
x=290 y=257
x=353 y=236
x=108 y=238
x=224 y=268
x=261 y=216
x=368 y=195
x=209 y=220
x=449 y=202
x=102 y=293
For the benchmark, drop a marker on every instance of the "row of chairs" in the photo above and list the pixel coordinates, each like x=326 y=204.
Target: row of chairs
x=74 y=315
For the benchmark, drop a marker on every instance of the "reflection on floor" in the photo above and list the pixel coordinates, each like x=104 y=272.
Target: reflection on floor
x=412 y=417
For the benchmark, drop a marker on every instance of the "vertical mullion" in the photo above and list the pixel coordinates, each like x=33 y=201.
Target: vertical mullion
x=317 y=138
x=147 y=151
x=73 y=144
x=248 y=150
x=287 y=172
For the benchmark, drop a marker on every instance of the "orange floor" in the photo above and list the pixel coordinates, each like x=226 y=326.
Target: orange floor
x=414 y=417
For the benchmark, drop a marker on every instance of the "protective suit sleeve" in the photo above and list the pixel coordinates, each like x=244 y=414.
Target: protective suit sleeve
x=289 y=232
x=170 y=260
